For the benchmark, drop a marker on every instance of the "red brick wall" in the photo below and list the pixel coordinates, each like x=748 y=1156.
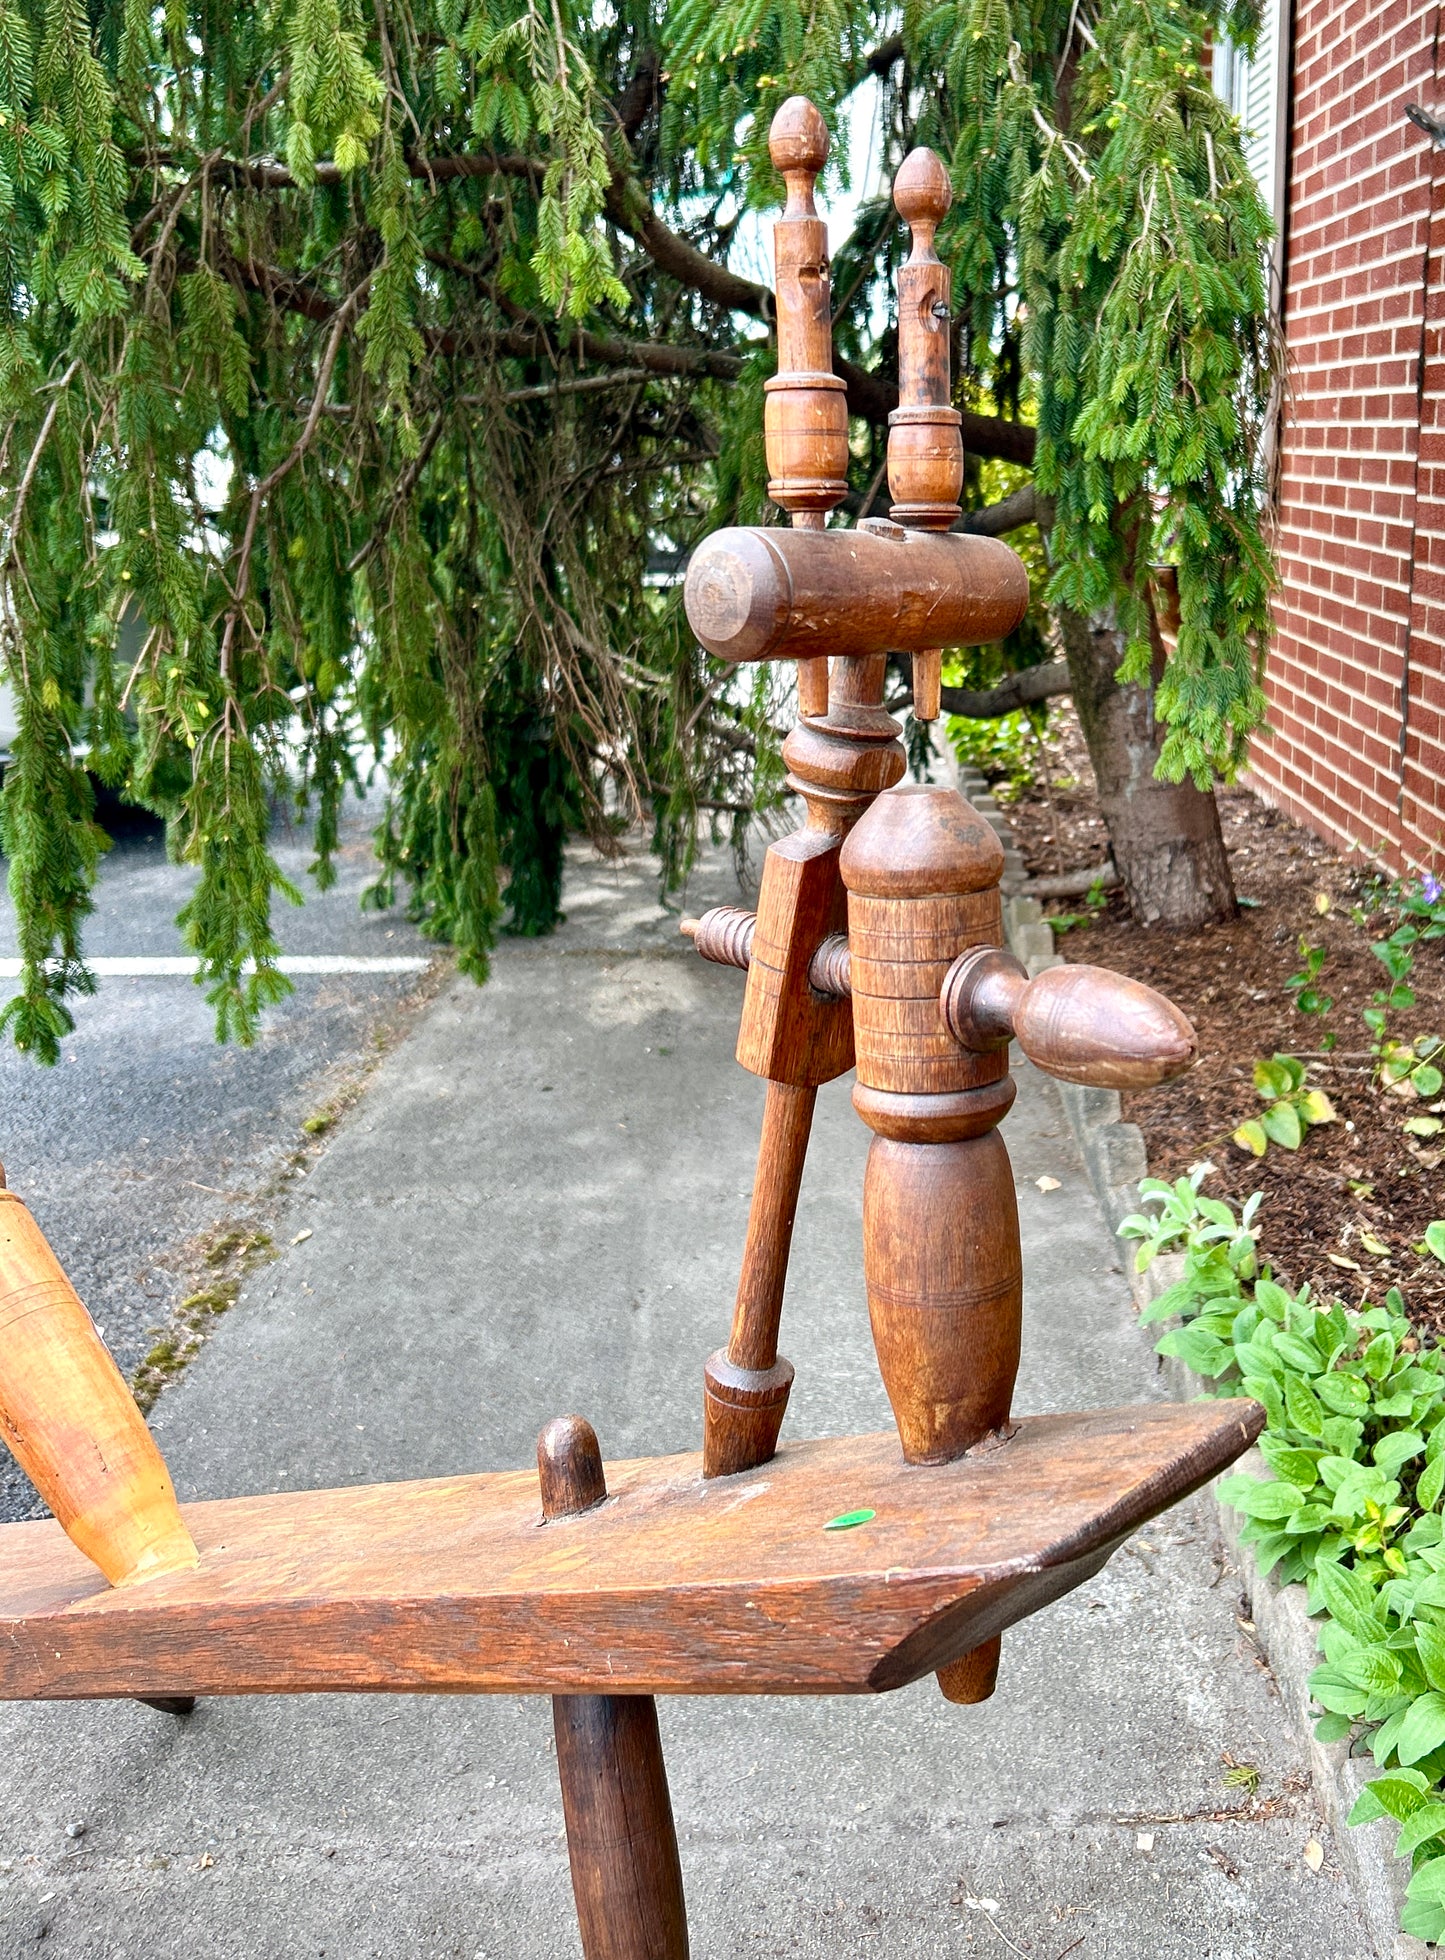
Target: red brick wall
x=1362 y=482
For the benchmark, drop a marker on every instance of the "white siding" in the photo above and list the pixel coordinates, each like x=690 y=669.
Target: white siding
x=1256 y=90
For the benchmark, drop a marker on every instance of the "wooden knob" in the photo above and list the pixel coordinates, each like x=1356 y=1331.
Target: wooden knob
x=798 y=145
x=1080 y=1023
x=569 y=1467
x=922 y=193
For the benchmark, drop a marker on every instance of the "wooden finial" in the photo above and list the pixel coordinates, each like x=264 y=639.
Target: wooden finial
x=798 y=145
x=925 y=446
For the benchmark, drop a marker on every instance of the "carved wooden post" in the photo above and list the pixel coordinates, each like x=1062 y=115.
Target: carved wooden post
x=936 y=1001
x=621 y=1842
x=788 y=1036
x=925 y=442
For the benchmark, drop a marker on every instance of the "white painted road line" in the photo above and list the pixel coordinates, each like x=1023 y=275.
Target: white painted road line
x=167 y=966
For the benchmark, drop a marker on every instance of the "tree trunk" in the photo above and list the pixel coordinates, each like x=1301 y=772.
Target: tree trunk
x=1165 y=836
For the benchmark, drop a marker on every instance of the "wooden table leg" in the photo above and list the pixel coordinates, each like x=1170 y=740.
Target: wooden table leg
x=621 y=1842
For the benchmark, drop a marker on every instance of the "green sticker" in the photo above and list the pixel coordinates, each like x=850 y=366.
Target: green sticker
x=846 y=1520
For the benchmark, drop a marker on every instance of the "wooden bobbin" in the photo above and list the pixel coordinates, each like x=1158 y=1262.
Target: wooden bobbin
x=621 y=1840
x=925 y=443
x=71 y=1422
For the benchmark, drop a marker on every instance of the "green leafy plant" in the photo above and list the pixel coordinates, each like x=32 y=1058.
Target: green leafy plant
x=1293 y=1107
x=1309 y=998
x=1355 y=1442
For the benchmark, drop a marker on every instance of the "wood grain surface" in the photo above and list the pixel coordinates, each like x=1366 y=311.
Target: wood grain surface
x=673 y=1585
x=70 y=1421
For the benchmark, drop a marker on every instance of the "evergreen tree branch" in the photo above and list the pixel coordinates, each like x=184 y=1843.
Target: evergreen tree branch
x=274 y=478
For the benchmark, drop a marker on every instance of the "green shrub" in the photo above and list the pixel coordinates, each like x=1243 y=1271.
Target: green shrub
x=1355 y=1439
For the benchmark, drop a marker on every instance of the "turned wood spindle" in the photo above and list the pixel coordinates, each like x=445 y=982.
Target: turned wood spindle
x=805 y=405
x=621 y=1840
x=70 y=1421
x=925 y=441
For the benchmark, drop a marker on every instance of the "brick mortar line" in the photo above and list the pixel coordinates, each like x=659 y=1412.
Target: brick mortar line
x=1115 y=1160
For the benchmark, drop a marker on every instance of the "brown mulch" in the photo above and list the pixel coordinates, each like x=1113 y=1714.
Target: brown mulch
x=1363 y=1174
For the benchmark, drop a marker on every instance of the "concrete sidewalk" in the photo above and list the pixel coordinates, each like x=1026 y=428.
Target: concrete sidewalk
x=539 y=1206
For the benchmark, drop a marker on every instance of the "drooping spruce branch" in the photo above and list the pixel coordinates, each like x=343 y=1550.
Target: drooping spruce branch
x=365 y=372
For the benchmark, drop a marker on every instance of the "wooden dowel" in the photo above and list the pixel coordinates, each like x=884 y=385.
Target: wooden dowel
x=782 y=1150
x=70 y=1421
x=621 y=1840
x=746 y=1384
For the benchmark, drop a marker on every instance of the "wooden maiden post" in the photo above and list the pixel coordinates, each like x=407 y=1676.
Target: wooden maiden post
x=789 y=1036
x=925 y=440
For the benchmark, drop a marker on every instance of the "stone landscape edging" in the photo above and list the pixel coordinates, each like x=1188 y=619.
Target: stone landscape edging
x=1116 y=1160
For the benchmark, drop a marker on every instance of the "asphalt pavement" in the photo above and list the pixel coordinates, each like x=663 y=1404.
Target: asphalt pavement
x=538 y=1206
x=147 y=1143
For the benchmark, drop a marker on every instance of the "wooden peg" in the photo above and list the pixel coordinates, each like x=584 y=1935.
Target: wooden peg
x=925 y=443
x=70 y=1421
x=621 y=1840
x=1081 y=1023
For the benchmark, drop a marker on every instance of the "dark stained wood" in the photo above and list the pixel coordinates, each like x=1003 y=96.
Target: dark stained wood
x=783 y=595
x=805 y=406
x=1081 y=1023
x=805 y=412
x=621 y=1843
x=922 y=872
x=569 y=1467
x=674 y=1585
x=788 y=1032
x=70 y=1421
x=742 y=1413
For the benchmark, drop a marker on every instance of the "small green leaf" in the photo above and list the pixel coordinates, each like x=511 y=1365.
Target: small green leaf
x=1398 y=1795
x=1284 y=1125
x=1435 y=1238
x=1250 y=1136
x=1423 y=1729
x=846 y=1520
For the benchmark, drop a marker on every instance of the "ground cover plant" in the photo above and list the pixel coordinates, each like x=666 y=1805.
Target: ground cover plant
x=1355 y=1438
